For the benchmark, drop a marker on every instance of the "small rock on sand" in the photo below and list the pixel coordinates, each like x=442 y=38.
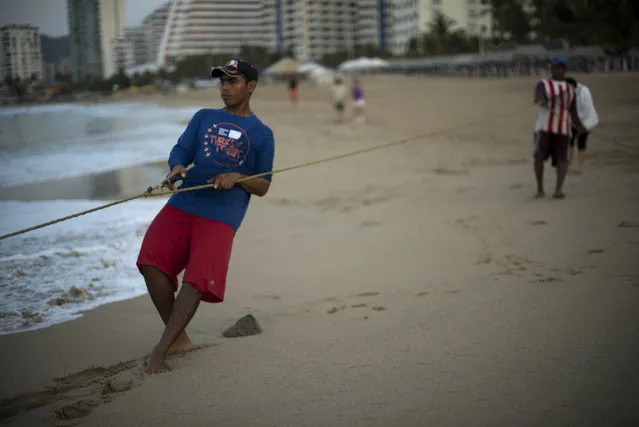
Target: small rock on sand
x=244 y=327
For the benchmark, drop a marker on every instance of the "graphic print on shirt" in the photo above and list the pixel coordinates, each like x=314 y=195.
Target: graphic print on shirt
x=226 y=144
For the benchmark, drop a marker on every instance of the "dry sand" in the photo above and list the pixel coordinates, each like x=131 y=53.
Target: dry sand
x=414 y=286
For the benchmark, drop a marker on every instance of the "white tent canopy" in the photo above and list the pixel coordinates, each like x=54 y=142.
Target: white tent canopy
x=362 y=64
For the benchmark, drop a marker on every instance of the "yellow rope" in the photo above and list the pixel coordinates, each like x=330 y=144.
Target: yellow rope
x=150 y=190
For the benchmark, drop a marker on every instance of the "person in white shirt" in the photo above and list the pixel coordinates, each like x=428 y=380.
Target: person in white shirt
x=339 y=91
x=589 y=118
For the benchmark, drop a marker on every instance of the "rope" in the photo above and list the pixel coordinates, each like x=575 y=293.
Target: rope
x=150 y=192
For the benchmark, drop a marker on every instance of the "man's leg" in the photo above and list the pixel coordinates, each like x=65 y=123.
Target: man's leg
x=562 y=169
x=540 y=150
x=163 y=255
x=184 y=308
x=581 y=146
x=210 y=247
x=571 y=153
x=160 y=289
x=560 y=146
x=539 y=176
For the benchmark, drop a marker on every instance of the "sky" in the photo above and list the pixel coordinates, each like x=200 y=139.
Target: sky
x=51 y=15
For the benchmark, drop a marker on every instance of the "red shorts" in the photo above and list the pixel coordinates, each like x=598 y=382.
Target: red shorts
x=176 y=241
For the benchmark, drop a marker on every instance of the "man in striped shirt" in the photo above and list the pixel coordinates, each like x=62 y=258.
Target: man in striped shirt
x=557 y=116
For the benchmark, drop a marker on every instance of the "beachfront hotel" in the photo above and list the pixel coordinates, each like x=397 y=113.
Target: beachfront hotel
x=94 y=25
x=311 y=29
x=200 y=27
x=20 y=52
x=306 y=29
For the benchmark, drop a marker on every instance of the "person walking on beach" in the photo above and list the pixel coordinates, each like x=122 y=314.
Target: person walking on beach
x=339 y=91
x=195 y=230
x=589 y=118
x=358 y=102
x=292 y=90
x=557 y=115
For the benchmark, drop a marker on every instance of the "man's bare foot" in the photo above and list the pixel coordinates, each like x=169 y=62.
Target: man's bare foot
x=559 y=195
x=181 y=345
x=540 y=195
x=154 y=363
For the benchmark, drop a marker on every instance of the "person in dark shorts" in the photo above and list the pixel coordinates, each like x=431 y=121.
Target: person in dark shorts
x=589 y=118
x=557 y=116
x=195 y=230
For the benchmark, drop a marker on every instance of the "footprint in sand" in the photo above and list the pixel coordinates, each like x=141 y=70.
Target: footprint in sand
x=451 y=291
x=369 y=223
x=76 y=410
x=87 y=389
x=271 y=297
x=538 y=222
x=628 y=224
x=595 y=251
x=359 y=305
x=548 y=279
x=422 y=294
x=368 y=294
x=446 y=171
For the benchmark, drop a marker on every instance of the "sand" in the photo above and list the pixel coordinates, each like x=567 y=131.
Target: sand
x=414 y=286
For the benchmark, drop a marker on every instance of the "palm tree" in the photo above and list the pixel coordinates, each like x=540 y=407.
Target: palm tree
x=440 y=29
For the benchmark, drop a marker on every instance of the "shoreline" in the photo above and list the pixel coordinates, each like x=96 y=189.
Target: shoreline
x=100 y=186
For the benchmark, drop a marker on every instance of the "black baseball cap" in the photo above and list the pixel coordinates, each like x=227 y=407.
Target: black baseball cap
x=236 y=68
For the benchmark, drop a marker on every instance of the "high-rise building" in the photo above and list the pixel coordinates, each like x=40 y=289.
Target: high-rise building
x=20 y=52
x=200 y=27
x=151 y=31
x=315 y=28
x=94 y=26
x=403 y=26
x=125 y=49
x=140 y=46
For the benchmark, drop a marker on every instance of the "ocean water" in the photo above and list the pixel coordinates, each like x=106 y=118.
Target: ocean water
x=57 y=141
x=49 y=275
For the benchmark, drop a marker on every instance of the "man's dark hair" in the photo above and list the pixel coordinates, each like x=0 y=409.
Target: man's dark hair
x=571 y=81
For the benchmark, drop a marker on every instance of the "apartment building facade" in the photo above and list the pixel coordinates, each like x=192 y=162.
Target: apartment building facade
x=94 y=27
x=199 y=27
x=20 y=52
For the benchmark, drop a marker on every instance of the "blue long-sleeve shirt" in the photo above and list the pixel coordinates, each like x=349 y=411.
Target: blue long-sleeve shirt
x=218 y=142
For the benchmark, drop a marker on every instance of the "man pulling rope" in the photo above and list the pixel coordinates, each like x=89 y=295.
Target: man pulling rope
x=194 y=231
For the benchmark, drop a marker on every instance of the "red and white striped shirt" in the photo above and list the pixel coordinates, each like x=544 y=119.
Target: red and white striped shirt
x=556 y=117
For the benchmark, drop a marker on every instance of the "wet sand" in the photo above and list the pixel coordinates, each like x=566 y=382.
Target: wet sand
x=116 y=184
x=418 y=285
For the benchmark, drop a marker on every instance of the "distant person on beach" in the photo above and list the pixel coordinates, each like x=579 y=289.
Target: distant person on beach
x=292 y=90
x=358 y=102
x=588 y=116
x=195 y=230
x=557 y=115
x=339 y=92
